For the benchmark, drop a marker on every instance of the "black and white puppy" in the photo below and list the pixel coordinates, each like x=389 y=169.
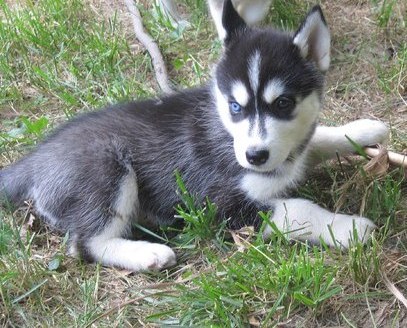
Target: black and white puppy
x=242 y=140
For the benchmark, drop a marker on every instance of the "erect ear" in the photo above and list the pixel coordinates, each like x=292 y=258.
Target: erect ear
x=313 y=39
x=231 y=21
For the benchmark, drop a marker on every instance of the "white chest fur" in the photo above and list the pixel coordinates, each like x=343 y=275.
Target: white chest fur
x=263 y=188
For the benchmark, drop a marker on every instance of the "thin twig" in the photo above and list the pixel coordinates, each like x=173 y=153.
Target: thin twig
x=152 y=48
x=394 y=158
x=128 y=302
x=394 y=290
x=173 y=283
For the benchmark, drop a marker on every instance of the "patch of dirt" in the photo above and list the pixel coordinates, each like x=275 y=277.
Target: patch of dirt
x=107 y=9
x=359 y=51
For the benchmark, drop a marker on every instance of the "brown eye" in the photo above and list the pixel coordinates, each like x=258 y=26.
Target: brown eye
x=283 y=107
x=284 y=103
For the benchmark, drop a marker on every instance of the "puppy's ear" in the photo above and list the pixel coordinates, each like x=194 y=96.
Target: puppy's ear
x=231 y=22
x=313 y=39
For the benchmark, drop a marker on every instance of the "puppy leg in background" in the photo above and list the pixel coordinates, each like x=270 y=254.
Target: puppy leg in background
x=303 y=220
x=216 y=10
x=327 y=141
x=170 y=8
x=252 y=12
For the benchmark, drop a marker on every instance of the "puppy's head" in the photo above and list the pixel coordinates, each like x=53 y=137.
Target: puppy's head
x=268 y=88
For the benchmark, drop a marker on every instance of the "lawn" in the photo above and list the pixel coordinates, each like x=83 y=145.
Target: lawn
x=60 y=58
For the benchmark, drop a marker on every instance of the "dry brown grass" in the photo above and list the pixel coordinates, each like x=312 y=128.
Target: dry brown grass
x=359 y=49
x=354 y=90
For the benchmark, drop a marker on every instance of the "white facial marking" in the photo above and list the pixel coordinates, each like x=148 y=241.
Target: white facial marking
x=264 y=188
x=255 y=133
x=222 y=106
x=239 y=92
x=280 y=137
x=273 y=89
x=254 y=71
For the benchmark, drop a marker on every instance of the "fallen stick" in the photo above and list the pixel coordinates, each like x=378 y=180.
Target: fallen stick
x=125 y=303
x=394 y=158
x=152 y=48
x=393 y=289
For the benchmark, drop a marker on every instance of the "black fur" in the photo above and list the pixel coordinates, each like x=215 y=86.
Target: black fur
x=79 y=167
x=280 y=59
x=74 y=176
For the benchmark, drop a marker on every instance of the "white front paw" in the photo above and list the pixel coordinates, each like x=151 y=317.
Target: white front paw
x=344 y=227
x=163 y=257
x=367 y=132
x=157 y=257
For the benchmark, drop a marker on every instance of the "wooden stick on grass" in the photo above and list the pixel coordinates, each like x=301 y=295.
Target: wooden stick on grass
x=394 y=158
x=152 y=48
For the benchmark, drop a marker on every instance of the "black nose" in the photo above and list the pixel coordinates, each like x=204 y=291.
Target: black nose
x=257 y=157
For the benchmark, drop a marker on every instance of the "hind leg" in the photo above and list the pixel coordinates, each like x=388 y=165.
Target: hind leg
x=109 y=246
x=111 y=249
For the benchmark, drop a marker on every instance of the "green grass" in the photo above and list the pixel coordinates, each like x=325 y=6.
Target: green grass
x=288 y=15
x=384 y=11
x=56 y=51
x=393 y=75
x=265 y=282
x=191 y=67
x=61 y=57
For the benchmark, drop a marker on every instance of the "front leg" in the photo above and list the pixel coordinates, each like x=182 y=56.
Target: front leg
x=327 y=141
x=303 y=220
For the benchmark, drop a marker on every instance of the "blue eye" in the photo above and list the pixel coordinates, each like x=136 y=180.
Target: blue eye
x=235 y=108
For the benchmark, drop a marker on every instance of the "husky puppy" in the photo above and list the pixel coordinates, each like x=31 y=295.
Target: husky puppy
x=242 y=140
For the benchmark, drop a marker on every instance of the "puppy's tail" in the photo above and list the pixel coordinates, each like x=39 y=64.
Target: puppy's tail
x=14 y=185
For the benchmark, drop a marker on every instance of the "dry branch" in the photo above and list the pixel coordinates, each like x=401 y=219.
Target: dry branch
x=152 y=48
x=125 y=303
x=394 y=290
x=394 y=158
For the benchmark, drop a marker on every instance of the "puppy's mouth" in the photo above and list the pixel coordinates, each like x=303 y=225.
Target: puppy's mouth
x=265 y=168
x=275 y=169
